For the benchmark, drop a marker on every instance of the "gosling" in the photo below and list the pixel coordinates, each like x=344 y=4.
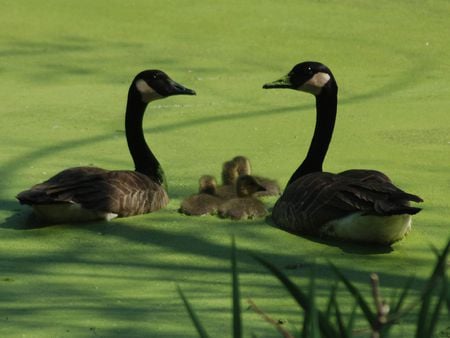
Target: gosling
x=244 y=206
x=229 y=176
x=205 y=202
x=243 y=167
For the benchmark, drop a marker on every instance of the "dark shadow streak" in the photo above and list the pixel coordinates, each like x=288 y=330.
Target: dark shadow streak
x=33 y=156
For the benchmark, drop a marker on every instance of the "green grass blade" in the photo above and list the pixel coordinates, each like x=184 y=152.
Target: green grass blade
x=351 y=320
x=340 y=322
x=398 y=305
x=423 y=323
x=448 y=295
x=442 y=297
x=331 y=299
x=237 y=323
x=201 y=331
x=301 y=298
x=310 y=323
x=396 y=311
x=437 y=309
x=370 y=316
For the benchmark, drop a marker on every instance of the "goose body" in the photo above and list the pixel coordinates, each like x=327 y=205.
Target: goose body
x=244 y=205
x=89 y=193
x=206 y=202
x=356 y=205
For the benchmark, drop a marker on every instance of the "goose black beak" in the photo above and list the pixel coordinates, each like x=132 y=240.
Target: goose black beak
x=284 y=82
x=178 y=89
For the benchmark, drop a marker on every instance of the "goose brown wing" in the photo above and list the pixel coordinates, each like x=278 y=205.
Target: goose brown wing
x=125 y=193
x=318 y=198
x=121 y=192
x=58 y=188
x=366 y=175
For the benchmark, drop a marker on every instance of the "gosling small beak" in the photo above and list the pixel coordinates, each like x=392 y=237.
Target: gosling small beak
x=284 y=82
x=261 y=188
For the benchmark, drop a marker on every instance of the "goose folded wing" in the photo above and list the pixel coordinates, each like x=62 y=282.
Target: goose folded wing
x=320 y=197
x=122 y=192
x=368 y=195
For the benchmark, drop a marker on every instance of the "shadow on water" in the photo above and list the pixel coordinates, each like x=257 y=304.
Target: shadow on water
x=42 y=266
x=35 y=155
x=70 y=56
x=92 y=258
x=76 y=44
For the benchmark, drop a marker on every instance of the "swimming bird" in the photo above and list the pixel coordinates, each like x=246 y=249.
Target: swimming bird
x=356 y=205
x=205 y=202
x=244 y=206
x=89 y=193
x=244 y=168
x=229 y=177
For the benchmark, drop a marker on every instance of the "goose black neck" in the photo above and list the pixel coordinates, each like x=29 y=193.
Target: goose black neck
x=326 y=108
x=144 y=160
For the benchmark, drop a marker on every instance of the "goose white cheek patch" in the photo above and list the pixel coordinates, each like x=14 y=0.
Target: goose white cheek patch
x=147 y=93
x=315 y=84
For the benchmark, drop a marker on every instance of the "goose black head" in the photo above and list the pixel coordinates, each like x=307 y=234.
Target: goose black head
x=311 y=77
x=155 y=84
x=247 y=185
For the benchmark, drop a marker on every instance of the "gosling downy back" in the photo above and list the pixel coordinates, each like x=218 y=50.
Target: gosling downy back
x=244 y=167
x=205 y=202
x=244 y=206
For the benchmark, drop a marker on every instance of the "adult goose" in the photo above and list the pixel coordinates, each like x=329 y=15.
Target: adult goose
x=354 y=205
x=88 y=193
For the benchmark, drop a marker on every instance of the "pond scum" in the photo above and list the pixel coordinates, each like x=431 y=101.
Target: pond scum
x=331 y=323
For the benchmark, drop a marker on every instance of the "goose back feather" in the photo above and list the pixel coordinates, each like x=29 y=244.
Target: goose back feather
x=123 y=193
x=323 y=198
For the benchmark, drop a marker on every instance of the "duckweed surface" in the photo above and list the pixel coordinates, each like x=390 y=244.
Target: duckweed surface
x=65 y=69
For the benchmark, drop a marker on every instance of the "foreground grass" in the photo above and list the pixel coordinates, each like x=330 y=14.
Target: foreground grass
x=330 y=322
x=65 y=71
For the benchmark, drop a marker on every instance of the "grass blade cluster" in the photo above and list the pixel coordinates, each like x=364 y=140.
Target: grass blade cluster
x=331 y=323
